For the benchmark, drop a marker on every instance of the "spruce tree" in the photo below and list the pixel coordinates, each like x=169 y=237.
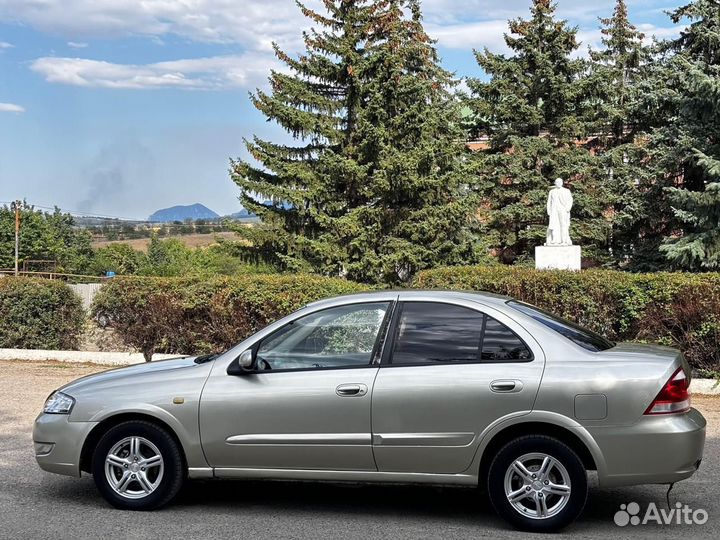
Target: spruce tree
x=533 y=108
x=684 y=124
x=293 y=187
x=378 y=190
x=616 y=70
x=699 y=211
x=616 y=74
x=535 y=90
x=685 y=148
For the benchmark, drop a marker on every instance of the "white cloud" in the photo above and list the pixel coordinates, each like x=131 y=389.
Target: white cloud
x=468 y=36
x=660 y=32
x=6 y=45
x=254 y=24
x=11 y=107
x=77 y=44
x=211 y=73
x=593 y=37
x=452 y=24
x=448 y=12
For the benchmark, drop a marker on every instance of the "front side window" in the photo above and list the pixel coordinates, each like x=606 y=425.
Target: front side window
x=337 y=337
x=436 y=333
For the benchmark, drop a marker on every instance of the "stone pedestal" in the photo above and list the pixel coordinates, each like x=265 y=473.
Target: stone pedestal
x=558 y=257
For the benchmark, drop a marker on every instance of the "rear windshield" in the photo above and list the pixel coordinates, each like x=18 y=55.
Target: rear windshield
x=577 y=334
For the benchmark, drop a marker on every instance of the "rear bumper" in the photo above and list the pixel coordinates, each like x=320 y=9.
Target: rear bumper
x=656 y=450
x=58 y=443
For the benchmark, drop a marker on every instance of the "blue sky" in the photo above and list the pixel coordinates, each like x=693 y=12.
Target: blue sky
x=121 y=107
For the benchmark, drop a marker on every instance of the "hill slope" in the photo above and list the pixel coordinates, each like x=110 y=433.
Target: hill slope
x=181 y=213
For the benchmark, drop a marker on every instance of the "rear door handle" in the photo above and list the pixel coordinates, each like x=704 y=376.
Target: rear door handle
x=351 y=390
x=506 y=386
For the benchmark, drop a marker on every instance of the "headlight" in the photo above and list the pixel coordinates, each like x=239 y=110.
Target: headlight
x=58 y=403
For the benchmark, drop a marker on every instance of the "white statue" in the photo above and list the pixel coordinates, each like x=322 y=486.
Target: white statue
x=559 y=203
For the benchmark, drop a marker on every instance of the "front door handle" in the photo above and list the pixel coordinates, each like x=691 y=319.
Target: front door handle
x=506 y=386
x=351 y=390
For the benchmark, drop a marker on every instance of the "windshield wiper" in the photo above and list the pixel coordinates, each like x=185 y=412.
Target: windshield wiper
x=206 y=358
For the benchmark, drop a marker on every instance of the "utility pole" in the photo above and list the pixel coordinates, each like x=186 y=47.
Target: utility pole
x=17 y=236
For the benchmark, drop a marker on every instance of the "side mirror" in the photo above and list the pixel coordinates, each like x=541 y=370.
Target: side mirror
x=242 y=364
x=245 y=360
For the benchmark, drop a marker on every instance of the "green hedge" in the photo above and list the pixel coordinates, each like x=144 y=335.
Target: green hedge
x=195 y=315
x=677 y=309
x=39 y=314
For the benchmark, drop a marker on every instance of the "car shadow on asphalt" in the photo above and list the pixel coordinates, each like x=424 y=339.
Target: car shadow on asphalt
x=460 y=505
x=395 y=506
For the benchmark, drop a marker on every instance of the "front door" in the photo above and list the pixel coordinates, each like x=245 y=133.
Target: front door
x=453 y=369
x=307 y=403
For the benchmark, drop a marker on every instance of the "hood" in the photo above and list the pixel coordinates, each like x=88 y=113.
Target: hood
x=123 y=374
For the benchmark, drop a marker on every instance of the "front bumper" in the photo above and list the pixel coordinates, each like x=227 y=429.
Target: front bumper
x=656 y=450
x=58 y=443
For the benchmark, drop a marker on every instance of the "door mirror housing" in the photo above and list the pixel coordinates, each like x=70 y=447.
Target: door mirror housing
x=243 y=364
x=245 y=360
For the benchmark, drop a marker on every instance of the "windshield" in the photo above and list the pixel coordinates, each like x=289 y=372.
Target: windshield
x=577 y=334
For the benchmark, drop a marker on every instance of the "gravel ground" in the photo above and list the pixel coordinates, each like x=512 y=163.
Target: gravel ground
x=35 y=504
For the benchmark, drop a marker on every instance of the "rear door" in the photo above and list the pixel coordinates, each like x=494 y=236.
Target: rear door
x=451 y=369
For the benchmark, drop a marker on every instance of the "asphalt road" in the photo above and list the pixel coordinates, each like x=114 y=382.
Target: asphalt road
x=35 y=504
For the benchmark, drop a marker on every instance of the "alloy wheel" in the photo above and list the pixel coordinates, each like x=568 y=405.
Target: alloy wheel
x=537 y=485
x=134 y=467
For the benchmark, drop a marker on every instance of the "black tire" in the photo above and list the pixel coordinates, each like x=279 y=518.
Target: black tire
x=558 y=450
x=173 y=469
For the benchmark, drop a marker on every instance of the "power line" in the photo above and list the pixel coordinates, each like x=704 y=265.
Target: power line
x=90 y=215
x=85 y=214
x=74 y=212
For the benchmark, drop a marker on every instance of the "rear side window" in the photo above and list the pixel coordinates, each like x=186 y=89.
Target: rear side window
x=500 y=344
x=587 y=339
x=436 y=333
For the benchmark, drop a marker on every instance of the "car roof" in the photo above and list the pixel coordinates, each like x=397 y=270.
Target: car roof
x=409 y=294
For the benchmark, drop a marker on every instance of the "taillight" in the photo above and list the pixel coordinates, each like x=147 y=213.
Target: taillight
x=674 y=396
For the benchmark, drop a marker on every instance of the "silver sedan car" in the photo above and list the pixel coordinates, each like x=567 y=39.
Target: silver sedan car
x=429 y=387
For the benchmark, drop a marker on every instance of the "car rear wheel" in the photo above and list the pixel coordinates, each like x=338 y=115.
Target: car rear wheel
x=137 y=465
x=537 y=483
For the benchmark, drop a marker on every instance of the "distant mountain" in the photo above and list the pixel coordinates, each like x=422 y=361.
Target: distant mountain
x=242 y=214
x=246 y=214
x=181 y=213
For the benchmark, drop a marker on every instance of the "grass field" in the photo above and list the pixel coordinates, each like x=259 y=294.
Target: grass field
x=190 y=240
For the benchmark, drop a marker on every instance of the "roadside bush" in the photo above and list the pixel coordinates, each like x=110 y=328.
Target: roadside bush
x=677 y=309
x=196 y=315
x=39 y=314
x=170 y=257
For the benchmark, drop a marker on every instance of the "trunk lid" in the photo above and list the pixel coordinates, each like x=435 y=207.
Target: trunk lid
x=649 y=353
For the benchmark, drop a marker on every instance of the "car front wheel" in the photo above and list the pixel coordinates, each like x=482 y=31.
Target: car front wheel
x=137 y=465
x=537 y=483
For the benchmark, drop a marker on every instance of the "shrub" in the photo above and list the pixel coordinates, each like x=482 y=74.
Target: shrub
x=193 y=315
x=677 y=309
x=170 y=257
x=39 y=314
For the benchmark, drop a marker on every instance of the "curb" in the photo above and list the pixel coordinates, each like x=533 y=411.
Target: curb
x=709 y=387
x=80 y=357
